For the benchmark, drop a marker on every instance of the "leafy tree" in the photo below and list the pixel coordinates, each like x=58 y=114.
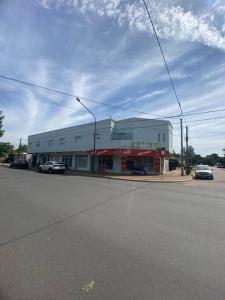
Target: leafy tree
x=192 y=157
x=6 y=149
x=211 y=159
x=197 y=159
x=21 y=149
x=1 y=124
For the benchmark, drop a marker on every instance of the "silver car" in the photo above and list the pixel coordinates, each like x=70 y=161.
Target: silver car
x=52 y=167
x=204 y=172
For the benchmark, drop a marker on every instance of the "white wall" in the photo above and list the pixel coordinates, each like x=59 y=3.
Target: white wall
x=144 y=132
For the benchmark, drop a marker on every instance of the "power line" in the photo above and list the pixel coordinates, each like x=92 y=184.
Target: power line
x=200 y=120
x=114 y=106
x=210 y=132
x=89 y=100
x=171 y=81
x=164 y=59
x=204 y=112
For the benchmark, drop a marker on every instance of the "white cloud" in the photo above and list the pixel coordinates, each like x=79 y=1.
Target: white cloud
x=150 y=95
x=170 y=22
x=219 y=6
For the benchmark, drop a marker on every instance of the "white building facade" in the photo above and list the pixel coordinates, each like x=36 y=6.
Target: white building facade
x=120 y=146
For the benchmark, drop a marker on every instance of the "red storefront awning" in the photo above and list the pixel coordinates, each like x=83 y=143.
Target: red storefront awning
x=130 y=152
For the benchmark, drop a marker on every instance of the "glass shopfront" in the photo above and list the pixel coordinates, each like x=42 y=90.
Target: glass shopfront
x=141 y=162
x=105 y=163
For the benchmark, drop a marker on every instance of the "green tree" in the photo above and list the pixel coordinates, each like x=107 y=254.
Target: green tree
x=211 y=159
x=1 y=124
x=21 y=149
x=197 y=159
x=192 y=156
x=6 y=149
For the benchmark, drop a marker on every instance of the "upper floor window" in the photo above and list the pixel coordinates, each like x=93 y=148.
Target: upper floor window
x=77 y=138
x=30 y=144
x=121 y=136
x=158 y=137
x=50 y=142
x=62 y=141
x=164 y=137
x=38 y=144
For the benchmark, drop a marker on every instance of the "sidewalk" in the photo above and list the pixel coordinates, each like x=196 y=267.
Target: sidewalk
x=173 y=176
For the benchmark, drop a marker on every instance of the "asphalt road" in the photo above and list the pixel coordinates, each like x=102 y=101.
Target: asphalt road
x=134 y=240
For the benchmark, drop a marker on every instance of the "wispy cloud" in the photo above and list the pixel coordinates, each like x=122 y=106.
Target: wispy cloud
x=171 y=21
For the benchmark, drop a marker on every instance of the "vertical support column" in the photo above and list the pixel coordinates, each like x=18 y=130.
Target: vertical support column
x=182 y=147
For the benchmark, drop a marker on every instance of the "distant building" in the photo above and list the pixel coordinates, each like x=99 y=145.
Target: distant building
x=120 y=145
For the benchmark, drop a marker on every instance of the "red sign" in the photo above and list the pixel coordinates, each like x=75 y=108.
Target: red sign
x=124 y=165
x=157 y=166
x=130 y=152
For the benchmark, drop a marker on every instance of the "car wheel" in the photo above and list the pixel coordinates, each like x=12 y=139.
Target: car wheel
x=50 y=171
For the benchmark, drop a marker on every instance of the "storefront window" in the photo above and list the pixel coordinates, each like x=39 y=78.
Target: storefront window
x=82 y=162
x=67 y=160
x=105 y=163
x=142 y=162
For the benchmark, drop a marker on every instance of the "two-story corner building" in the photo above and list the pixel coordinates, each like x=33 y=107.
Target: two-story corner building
x=120 y=145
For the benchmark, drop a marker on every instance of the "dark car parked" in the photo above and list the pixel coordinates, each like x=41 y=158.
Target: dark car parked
x=139 y=171
x=19 y=164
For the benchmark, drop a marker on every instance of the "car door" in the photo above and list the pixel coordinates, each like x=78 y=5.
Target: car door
x=45 y=166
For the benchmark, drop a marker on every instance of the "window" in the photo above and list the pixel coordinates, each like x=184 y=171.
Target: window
x=98 y=136
x=121 y=136
x=62 y=141
x=158 y=137
x=164 y=137
x=135 y=144
x=105 y=163
x=82 y=162
x=50 y=142
x=77 y=138
x=68 y=160
x=38 y=144
x=30 y=144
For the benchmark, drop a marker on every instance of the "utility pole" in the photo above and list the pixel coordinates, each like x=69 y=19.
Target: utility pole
x=182 y=148
x=94 y=134
x=19 y=148
x=187 y=152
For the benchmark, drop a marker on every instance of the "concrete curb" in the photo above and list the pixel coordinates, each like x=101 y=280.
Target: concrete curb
x=154 y=180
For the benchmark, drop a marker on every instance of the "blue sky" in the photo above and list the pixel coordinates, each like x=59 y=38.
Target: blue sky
x=104 y=50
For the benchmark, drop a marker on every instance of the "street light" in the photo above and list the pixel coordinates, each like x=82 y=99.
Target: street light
x=94 y=133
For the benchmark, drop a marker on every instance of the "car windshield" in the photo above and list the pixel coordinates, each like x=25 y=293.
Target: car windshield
x=58 y=163
x=202 y=167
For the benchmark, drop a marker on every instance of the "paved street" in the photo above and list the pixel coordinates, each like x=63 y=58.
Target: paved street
x=134 y=240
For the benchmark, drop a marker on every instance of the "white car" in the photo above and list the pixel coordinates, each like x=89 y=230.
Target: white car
x=203 y=171
x=52 y=167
